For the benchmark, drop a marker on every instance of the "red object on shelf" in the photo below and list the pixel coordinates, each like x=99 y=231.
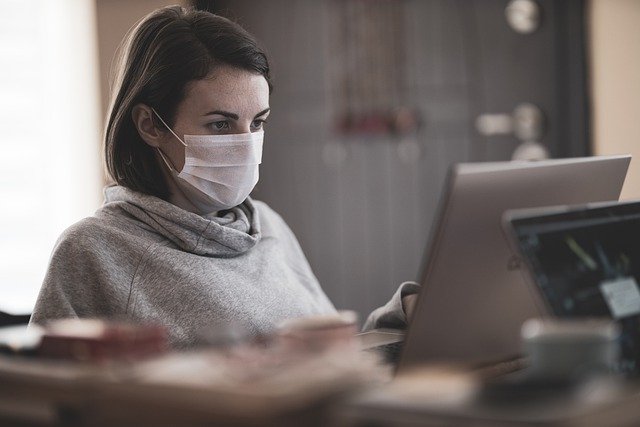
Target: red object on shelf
x=97 y=340
x=400 y=121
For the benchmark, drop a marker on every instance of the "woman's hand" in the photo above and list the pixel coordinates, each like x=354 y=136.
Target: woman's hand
x=408 y=305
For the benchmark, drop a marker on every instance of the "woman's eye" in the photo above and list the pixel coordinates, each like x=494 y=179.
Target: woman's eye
x=257 y=124
x=221 y=125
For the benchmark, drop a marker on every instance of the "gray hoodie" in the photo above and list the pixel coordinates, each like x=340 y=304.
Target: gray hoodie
x=143 y=259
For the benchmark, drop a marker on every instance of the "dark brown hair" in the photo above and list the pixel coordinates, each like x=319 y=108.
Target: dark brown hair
x=167 y=49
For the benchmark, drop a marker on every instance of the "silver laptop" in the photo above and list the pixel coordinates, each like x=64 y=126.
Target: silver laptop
x=474 y=297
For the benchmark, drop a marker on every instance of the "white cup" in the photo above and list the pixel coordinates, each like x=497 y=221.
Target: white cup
x=570 y=349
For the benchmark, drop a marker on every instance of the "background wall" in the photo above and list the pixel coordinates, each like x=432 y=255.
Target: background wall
x=362 y=202
x=615 y=82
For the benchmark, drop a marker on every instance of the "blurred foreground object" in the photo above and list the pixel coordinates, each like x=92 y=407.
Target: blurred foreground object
x=98 y=340
x=318 y=333
x=243 y=385
x=455 y=396
x=20 y=339
x=570 y=349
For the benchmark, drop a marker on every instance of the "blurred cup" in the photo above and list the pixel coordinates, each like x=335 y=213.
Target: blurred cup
x=566 y=350
x=318 y=333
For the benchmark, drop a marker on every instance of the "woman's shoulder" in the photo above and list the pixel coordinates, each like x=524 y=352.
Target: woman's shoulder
x=274 y=225
x=264 y=209
x=269 y=218
x=86 y=229
x=80 y=237
x=99 y=232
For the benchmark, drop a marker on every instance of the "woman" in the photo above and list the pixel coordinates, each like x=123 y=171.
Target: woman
x=178 y=240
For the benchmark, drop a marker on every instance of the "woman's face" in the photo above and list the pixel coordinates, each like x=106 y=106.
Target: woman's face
x=229 y=101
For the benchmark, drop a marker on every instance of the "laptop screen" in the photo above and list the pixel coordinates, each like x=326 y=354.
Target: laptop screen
x=586 y=262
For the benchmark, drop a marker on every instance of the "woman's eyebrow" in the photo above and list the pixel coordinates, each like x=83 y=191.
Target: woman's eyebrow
x=262 y=113
x=234 y=116
x=227 y=114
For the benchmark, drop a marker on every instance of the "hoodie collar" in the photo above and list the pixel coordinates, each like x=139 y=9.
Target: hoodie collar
x=231 y=234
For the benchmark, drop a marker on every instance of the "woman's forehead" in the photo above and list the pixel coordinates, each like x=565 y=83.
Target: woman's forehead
x=228 y=89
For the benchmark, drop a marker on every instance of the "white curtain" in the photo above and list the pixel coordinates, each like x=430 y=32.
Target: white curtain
x=50 y=169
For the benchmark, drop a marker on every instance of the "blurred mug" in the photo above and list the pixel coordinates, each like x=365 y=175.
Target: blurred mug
x=570 y=349
x=317 y=333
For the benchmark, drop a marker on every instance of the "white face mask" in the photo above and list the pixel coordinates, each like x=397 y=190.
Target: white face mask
x=220 y=171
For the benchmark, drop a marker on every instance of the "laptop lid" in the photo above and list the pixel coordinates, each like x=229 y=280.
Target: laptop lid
x=473 y=298
x=585 y=262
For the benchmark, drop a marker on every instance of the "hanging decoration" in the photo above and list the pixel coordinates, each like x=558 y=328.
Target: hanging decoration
x=366 y=68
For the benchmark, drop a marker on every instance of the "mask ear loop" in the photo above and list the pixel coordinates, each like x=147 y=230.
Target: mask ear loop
x=166 y=161
x=164 y=158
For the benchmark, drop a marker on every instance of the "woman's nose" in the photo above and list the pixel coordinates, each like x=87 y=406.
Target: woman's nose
x=243 y=127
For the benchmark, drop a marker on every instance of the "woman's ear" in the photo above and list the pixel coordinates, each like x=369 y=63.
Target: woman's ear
x=142 y=116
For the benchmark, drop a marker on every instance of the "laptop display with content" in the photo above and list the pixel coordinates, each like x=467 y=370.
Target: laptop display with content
x=585 y=262
x=473 y=298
